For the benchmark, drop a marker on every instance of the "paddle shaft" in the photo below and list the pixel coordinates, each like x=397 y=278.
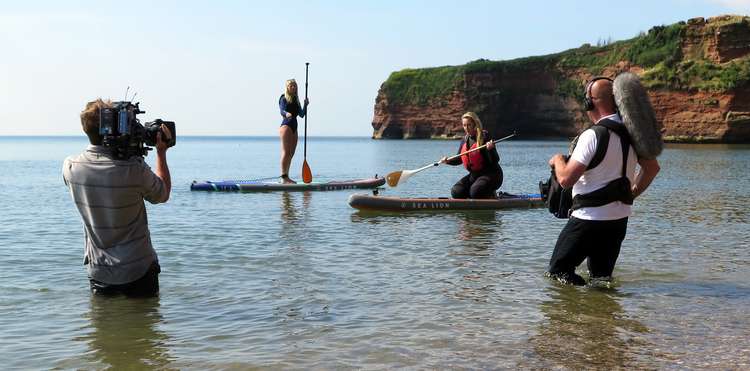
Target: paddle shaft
x=459 y=155
x=478 y=148
x=396 y=177
x=307 y=65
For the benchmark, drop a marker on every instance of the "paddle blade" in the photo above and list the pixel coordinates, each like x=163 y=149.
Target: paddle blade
x=306 y=172
x=393 y=178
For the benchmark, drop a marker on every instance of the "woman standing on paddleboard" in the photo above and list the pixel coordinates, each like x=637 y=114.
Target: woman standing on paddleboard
x=485 y=174
x=290 y=108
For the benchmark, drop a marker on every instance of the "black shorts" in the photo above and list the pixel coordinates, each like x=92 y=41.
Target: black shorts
x=146 y=286
x=598 y=241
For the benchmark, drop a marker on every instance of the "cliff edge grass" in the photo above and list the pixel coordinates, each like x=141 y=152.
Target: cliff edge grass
x=659 y=52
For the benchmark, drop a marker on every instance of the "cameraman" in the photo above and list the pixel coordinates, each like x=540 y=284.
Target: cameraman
x=109 y=194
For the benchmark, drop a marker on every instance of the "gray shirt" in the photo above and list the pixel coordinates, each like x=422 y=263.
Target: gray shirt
x=109 y=195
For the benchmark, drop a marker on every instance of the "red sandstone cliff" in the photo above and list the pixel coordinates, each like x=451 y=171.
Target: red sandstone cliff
x=530 y=99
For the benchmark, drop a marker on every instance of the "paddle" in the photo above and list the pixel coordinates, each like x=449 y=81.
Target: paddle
x=397 y=177
x=306 y=172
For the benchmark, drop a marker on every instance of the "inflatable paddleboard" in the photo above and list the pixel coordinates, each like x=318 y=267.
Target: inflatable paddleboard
x=503 y=201
x=269 y=186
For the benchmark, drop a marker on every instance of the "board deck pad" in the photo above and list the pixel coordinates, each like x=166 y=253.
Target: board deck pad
x=270 y=186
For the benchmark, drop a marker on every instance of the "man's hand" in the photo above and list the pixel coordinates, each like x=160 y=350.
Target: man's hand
x=555 y=159
x=649 y=169
x=566 y=172
x=288 y=115
x=161 y=142
x=162 y=170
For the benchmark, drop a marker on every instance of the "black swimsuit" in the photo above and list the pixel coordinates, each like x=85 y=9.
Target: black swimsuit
x=294 y=109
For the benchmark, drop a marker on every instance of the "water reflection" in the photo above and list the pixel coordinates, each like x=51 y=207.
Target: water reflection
x=292 y=214
x=295 y=269
x=585 y=328
x=476 y=276
x=715 y=209
x=480 y=230
x=126 y=335
x=289 y=211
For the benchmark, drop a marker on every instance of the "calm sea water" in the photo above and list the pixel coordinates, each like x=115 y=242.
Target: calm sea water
x=302 y=281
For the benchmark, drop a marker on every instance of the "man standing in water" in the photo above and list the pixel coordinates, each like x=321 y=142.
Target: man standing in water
x=603 y=192
x=109 y=192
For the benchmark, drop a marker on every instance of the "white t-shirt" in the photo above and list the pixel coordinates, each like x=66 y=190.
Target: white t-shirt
x=608 y=170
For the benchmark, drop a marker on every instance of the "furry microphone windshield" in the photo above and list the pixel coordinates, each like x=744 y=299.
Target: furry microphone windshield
x=638 y=115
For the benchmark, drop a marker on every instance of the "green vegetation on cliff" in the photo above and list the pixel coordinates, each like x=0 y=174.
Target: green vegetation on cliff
x=658 y=52
x=660 y=44
x=419 y=86
x=699 y=74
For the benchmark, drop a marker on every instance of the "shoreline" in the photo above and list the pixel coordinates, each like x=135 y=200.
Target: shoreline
x=671 y=139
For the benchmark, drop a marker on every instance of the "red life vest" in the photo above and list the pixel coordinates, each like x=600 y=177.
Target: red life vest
x=473 y=161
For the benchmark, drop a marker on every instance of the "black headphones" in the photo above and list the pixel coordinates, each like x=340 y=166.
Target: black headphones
x=588 y=103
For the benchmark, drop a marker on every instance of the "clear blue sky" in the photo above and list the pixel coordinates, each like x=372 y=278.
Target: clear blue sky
x=217 y=68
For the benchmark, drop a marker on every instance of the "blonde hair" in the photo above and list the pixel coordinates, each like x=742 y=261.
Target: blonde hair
x=90 y=119
x=477 y=122
x=287 y=95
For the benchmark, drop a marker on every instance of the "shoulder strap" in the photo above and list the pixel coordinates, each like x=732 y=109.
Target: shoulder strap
x=618 y=128
x=602 y=142
x=601 y=130
x=618 y=189
x=625 y=141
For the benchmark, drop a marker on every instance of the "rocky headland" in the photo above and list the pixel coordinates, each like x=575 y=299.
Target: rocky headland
x=697 y=74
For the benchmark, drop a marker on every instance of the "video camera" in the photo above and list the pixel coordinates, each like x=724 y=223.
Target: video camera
x=123 y=132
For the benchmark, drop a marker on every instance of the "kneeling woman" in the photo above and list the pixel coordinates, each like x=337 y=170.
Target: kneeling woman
x=485 y=174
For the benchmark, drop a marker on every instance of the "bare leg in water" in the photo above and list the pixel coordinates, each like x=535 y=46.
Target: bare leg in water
x=288 y=146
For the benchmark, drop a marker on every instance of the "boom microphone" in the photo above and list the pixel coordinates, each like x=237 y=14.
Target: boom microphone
x=638 y=115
